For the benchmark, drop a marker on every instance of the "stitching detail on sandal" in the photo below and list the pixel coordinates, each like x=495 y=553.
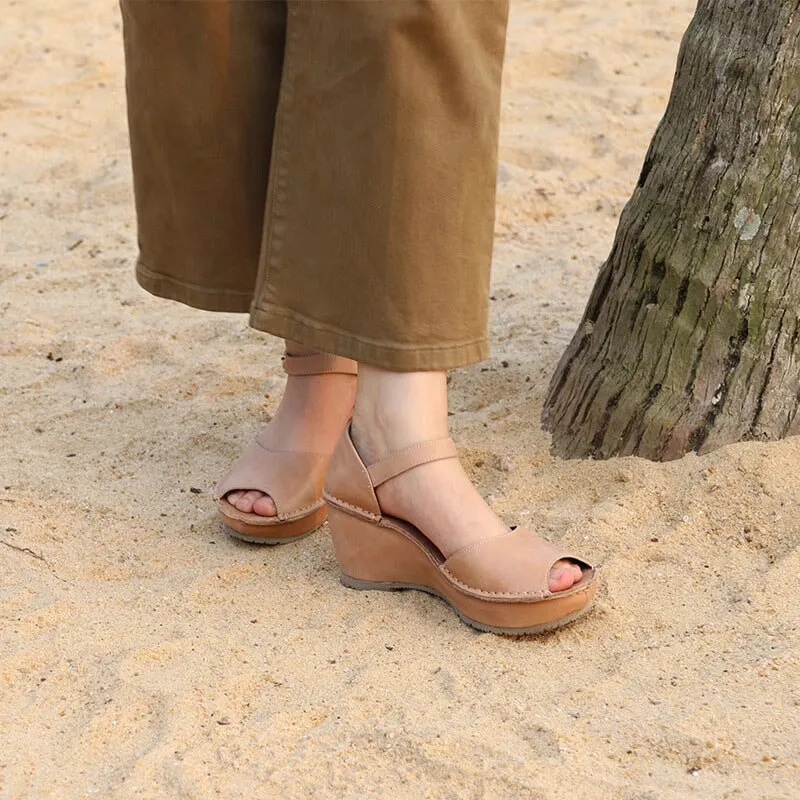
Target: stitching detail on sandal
x=300 y=512
x=361 y=512
x=276 y=519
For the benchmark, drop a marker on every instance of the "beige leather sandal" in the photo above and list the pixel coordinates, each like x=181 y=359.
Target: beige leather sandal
x=293 y=480
x=499 y=584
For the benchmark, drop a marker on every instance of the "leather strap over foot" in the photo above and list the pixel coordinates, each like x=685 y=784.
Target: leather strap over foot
x=516 y=564
x=293 y=480
x=410 y=457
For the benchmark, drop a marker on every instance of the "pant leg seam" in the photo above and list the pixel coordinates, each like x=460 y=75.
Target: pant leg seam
x=300 y=319
x=148 y=272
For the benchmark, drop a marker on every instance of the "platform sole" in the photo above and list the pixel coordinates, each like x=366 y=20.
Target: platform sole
x=275 y=532
x=544 y=627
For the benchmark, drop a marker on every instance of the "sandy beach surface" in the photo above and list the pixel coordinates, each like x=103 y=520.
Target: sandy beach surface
x=145 y=654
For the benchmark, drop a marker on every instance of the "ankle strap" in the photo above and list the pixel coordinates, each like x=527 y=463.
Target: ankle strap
x=414 y=456
x=318 y=364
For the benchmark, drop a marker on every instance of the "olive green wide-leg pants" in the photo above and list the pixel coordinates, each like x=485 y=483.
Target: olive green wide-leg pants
x=327 y=165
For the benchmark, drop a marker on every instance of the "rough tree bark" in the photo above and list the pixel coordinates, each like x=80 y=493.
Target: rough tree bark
x=691 y=338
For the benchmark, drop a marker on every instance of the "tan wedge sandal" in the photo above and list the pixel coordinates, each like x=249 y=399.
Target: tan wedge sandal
x=499 y=584
x=293 y=480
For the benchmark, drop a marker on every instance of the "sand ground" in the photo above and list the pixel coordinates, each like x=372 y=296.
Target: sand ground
x=145 y=654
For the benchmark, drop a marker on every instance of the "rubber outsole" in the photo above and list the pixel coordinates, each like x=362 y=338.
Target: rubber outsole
x=243 y=537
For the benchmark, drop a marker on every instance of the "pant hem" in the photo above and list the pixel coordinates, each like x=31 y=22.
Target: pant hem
x=395 y=356
x=190 y=294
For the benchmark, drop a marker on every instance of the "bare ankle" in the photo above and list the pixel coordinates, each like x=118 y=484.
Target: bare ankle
x=397 y=409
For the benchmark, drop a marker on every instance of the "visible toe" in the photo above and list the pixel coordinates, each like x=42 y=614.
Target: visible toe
x=247 y=500
x=564 y=575
x=265 y=506
x=252 y=502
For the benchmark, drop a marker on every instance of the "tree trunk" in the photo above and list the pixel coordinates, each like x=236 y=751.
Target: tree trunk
x=691 y=338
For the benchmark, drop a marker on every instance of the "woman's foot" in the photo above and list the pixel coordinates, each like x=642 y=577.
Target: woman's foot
x=310 y=418
x=395 y=410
